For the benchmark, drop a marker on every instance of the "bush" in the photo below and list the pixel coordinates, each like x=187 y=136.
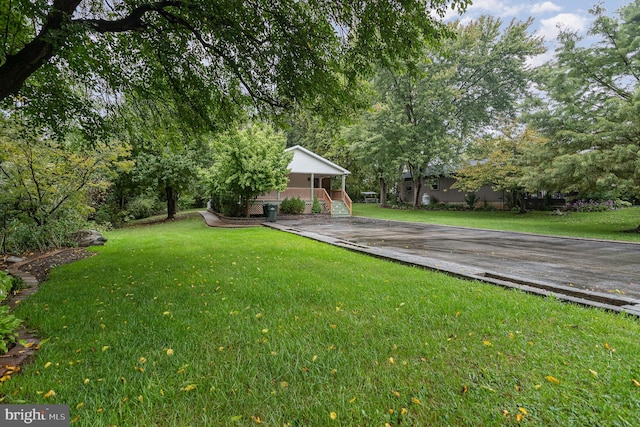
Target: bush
x=187 y=201
x=8 y=284
x=24 y=235
x=141 y=207
x=595 y=206
x=8 y=322
x=293 y=206
x=8 y=327
x=471 y=199
x=316 y=208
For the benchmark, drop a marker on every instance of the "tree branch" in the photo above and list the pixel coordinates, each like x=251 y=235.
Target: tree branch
x=132 y=22
x=57 y=25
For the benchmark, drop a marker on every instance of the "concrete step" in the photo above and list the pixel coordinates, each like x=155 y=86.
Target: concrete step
x=339 y=209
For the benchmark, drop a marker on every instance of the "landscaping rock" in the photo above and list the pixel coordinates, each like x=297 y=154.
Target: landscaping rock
x=86 y=238
x=13 y=259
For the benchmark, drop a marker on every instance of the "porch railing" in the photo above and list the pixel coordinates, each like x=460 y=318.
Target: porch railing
x=323 y=196
x=303 y=194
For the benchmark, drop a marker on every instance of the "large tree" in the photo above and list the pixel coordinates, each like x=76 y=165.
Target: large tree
x=426 y=115
x=274 y=53
x=167 y=152
x=590 y=110
x=249 y=162
x=42 y=180
x=500 y=160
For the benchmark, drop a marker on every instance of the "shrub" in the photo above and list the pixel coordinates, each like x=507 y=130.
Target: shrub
x=24 y=235
x=8 y=322
x=595 y=206
x=141 y=207
x=293 y=206
x=316 y=208
x=187 y=201
x=8 y=327
x=471 y=199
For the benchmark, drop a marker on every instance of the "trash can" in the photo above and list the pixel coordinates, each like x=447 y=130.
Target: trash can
x=426 y=200
x=265 y=210
x=273 y=213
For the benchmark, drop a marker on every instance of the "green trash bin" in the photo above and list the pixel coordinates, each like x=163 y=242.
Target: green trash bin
x=272 y=213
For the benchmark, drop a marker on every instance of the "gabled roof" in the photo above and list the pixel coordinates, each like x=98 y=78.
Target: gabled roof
x=305 y=161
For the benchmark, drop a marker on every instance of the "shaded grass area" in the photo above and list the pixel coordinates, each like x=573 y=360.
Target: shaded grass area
x=596 y=225
x=178 y=324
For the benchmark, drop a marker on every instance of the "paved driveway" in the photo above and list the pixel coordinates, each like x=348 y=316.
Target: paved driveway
x=604 y=267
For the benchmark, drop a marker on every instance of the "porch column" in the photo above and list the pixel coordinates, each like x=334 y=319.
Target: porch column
x=343 y=187
x=312 y=179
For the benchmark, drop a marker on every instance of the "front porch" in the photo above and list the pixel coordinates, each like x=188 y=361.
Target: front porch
x=336 y=204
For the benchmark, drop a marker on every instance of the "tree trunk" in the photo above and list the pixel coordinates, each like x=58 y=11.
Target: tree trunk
x=383 y=193
x=172 y=202
x=521 y=202
x=247 y=204
x=417 y=186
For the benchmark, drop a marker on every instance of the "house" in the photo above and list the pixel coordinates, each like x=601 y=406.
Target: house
x=311 y=176
x=437 y=188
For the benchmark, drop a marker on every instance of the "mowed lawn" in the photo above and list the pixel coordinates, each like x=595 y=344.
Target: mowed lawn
x=182 y=325
x=595 y=225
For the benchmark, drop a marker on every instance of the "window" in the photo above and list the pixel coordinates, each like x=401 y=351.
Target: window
x=408 y=185
x=434 y=184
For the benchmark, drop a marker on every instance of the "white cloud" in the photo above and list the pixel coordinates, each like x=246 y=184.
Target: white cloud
x=545 y=7
x=493 y=7
x=549 y=28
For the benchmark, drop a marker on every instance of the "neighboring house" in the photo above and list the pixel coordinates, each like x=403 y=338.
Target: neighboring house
x=437 y=189
x=311 y=176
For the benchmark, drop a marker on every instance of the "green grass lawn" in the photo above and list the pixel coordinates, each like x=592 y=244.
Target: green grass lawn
x=181 y=325
x=595 y=225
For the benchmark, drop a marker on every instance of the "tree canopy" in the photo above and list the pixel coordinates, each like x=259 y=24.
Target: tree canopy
x=425 y=116
x=249 y=162
x=589 y=110
x=268 y=53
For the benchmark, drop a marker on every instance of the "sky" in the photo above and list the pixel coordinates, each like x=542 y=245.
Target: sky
x=547 y=14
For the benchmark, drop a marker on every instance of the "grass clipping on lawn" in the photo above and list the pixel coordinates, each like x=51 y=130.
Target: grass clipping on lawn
x=179 y=324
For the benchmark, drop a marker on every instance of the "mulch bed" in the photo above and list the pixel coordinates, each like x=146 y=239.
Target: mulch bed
x=39 y=264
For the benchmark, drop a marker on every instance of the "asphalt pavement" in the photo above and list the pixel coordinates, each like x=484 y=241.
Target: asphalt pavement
x=585 y=271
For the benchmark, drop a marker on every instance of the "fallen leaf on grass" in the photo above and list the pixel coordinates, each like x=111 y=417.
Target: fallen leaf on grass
x=552 y=379
x=49 y=394
x=635 y=382
x=188 y=388
x=333 y=415
x=594 y=373
x=416 y=401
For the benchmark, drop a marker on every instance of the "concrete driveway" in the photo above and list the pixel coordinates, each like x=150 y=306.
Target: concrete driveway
x=591 y=272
